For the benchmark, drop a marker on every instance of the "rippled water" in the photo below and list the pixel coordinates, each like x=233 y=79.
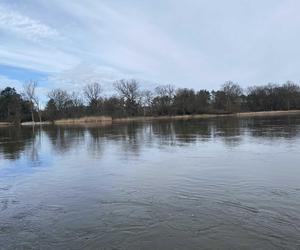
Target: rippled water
x=201 y=184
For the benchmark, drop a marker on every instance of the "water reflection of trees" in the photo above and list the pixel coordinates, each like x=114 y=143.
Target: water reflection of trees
x=132 y=137
x=178 y=132
x=97 y=139
x=14 y=141
x=274 y=128
x=36 y=144
x=132 y=134
x=229 y=130
x=189 y=131
x=64 y=138
x=163 y=132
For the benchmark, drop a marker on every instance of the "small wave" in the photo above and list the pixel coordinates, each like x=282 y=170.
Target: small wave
x=239 y=206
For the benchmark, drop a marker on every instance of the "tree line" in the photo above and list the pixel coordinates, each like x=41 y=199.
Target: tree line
x=131 y=100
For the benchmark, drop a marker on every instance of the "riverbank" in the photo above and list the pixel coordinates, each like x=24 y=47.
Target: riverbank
x=108 y=120
x=268 y=113
x=206 y=116
x=84 y=120
x=34 y=123
x=175 y=117
x=5 y=124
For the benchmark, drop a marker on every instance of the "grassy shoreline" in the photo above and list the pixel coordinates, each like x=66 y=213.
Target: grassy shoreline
x=109 y=120
x=84 y=120
x=205 y=116
x=5 y=124
x=268 y=113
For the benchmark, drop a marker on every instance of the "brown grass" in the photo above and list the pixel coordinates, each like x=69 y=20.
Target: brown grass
x=84 y=120
x=205 y=116
x=151 y=118
x=5 y=124
x=269 y=113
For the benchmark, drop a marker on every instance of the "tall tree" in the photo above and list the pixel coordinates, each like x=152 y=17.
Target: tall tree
x=130 y=93
x=146 y=101
x=29 y=93
x=291 y=93
x=10 y=105
x=184 y=101
x=51 y=111
x=233 y=94
x=162 y=103
x=60 y=99
x=92 y=93
x=202 y=101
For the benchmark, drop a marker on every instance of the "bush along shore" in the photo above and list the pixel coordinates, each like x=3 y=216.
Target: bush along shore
x=133 y=103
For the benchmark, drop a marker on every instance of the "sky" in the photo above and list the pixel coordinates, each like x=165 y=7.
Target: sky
x=193 y=43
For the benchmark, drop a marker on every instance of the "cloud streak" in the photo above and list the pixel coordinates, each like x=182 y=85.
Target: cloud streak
x=194 y=43
x=24 y=26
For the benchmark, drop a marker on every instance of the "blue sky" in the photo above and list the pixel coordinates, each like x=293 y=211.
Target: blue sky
x=192 y=43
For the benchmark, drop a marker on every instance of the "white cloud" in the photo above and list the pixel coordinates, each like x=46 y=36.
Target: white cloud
x=14 y=21
x=193 y=43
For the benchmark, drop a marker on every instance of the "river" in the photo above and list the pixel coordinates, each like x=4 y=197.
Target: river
x=223 y=183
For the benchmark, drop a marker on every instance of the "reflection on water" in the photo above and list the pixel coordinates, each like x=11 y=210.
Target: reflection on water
x=231 y=131
x=212 y=184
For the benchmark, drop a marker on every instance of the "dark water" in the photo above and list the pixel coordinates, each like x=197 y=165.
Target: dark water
x=202 y=184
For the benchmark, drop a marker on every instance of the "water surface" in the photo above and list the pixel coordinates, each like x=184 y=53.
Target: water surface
x=200 y=184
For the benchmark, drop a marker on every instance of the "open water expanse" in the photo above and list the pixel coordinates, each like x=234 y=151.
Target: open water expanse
x=221 y=183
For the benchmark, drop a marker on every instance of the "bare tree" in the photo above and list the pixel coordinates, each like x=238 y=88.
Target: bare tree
x=163 y=101
x=233 y=93
x=146 y=100
x=130 y=93
x=290 y=93
x=128 y=89
x=165 y=90
x=30 y=94
x=59 y=97
x=92 y=93
x=76 y=99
